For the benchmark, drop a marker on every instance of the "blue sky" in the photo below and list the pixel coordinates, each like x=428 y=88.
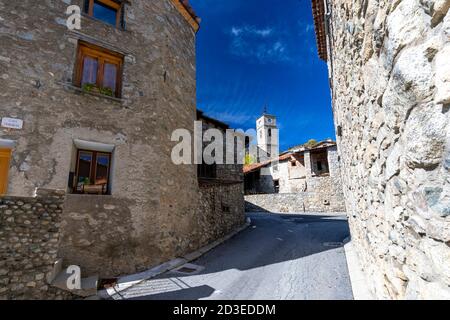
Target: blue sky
x=252 y=53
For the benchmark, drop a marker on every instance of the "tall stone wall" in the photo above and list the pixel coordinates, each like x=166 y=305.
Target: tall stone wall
x=29 y=239
x=390 y=70
x=221 y=210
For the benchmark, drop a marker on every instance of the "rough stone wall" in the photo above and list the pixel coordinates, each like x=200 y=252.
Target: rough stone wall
x=391 y=96
x=221 y=210
x=221 y=204
x=294 y=202
x=146 y=211
x=29 y=239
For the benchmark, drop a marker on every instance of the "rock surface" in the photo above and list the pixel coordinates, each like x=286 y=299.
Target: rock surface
x=391 y=94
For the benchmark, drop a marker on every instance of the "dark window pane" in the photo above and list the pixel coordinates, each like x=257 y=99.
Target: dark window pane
x=110 y=76
x=84 y=169
x=105 y=13
x=101 y=176
x=207 y=171
x=86 y=6
x=90 y=66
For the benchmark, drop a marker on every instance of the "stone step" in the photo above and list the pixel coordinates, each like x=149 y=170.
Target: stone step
x=88 y=285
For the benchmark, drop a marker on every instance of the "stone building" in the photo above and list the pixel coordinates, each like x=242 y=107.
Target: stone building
x=389 y=72
x=305 y=178
x=221 y=186
x=301 y=179
x=89 y=113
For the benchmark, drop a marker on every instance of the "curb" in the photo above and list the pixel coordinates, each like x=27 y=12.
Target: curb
x=126 y=282
x=357 y=278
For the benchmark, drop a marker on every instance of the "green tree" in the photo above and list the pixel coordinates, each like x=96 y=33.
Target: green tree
x=248 y=159
x=311 y=143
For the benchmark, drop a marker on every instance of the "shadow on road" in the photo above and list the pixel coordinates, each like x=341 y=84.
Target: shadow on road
x=270 y=239
x=194 y=293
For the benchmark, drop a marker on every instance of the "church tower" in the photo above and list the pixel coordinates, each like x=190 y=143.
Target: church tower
x=267 y=131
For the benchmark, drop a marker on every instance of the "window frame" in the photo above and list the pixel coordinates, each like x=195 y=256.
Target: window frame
x=119 y=7
x=103 y=56
x=92 y=170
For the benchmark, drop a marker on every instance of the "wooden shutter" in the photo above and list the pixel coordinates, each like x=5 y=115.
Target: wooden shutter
x=5 y=157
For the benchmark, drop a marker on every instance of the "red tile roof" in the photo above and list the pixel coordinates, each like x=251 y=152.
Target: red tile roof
x=319 y=25
x=285 y=156
x=188 y=13
x=189 y=9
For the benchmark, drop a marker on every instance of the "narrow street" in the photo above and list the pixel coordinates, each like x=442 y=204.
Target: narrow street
x=277 y=257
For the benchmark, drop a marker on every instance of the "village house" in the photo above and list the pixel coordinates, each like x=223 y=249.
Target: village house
x=304 y=178
x=85 y=143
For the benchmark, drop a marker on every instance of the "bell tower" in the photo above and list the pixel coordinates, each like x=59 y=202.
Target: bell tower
x=267 y=131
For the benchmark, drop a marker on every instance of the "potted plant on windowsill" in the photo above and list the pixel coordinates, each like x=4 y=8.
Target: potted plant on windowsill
x=107 y=92
x=92 y=88
x=89 y=87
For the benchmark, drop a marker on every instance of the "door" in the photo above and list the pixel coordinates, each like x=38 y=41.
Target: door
x=5 y=156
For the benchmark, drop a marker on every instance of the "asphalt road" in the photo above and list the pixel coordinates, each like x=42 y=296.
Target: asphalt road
x=277 y=257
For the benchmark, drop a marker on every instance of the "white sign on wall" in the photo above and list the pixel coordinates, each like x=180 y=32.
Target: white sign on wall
x=12 y=123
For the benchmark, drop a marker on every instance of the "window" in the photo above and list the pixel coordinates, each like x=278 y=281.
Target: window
x=270 y=132
x=319 y=163
x=99 y=70
x=293 y=163
x=92 y=172
x=226 y=209
x=276 y=185
x=319 y=166
x=108 y=11
x=208 y=171
x=339 y=131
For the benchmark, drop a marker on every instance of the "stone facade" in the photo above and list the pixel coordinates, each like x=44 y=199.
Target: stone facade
x=295 y=202
x=145 y=219
x=221 y=191
x=221 y=209
x=29 y=241
x=295 y=183
x=390 y=76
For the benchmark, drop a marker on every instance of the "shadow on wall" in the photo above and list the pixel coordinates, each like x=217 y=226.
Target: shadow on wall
x=250 y=207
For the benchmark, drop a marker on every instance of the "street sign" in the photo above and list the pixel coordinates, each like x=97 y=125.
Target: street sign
x=12 y=123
